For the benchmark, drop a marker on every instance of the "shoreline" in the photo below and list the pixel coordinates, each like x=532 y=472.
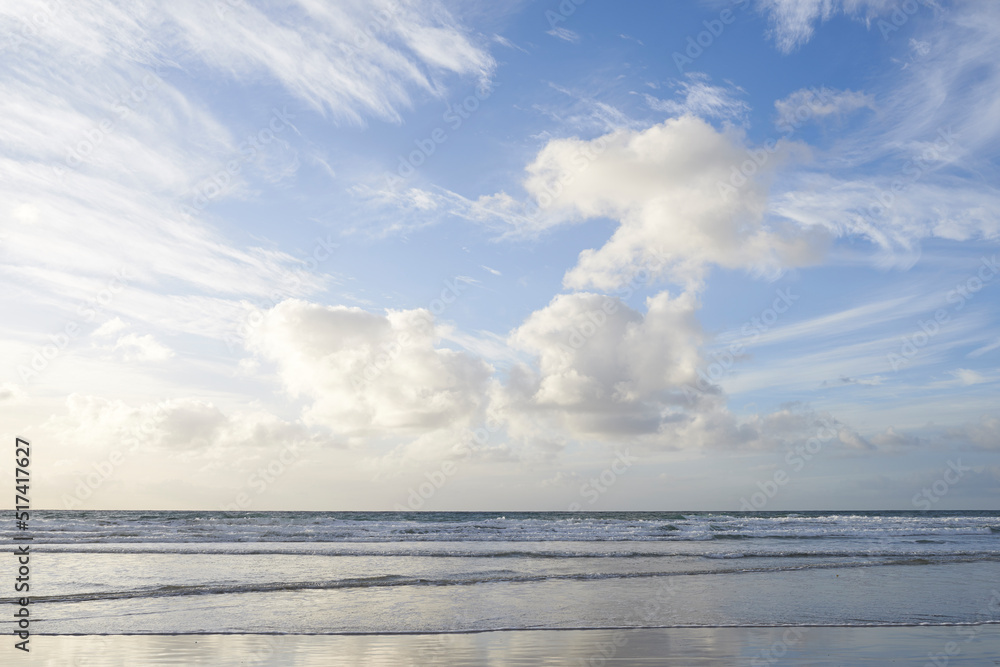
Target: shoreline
x=607 y=628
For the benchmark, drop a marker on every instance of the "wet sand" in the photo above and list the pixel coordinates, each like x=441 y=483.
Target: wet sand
x=950 y=645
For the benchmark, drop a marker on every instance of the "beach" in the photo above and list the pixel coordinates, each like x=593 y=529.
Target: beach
x=456 y=588
x=674 y=646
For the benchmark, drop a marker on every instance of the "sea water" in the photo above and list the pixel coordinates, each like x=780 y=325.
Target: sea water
x=168 y=572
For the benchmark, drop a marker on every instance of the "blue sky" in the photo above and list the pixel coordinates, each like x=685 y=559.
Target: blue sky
x=309 y=255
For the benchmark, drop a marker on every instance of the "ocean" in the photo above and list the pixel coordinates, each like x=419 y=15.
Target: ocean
x=330 y=573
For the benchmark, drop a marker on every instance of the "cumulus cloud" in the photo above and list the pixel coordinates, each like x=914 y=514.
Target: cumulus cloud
x=370 y=374
x=601 y=369
x=670 y=187
x=590 y=368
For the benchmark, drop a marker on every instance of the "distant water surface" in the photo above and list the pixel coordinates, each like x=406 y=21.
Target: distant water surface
x=114 y=572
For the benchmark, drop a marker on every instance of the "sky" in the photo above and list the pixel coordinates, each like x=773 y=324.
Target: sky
x=450 y=255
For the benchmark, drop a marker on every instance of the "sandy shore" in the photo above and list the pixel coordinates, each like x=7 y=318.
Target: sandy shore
x=950 y=646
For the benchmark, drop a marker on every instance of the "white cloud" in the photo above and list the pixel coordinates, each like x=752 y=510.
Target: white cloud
x=100 y=159
x=792 y=21
x=665 y=185
x=247 y=367
x=368 y=374
x=183 y=424
x=892 y=439
x=500 y=39
x=837 y=324
x=980 y=351
x=594 y=370
x=806 y=104
x=983 y=434
x=575 y=110
x=870 y=381
x=923 y=166
x=967 y=377
x=103 y=180
x=602 y=369
x=589 y=369
x=805 y=363
x=703 y=99
x=109 y=328
x=351 y=59
x=134 y=347
x=924 y=207
x=565 y=34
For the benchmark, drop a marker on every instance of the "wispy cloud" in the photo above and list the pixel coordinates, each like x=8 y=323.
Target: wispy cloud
x=793 y=21
x=117 y=162
x=808 y=104
x=565 y=34
x=980 y=351
x=967 y=377
x=701 y=98
x=922 y=165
